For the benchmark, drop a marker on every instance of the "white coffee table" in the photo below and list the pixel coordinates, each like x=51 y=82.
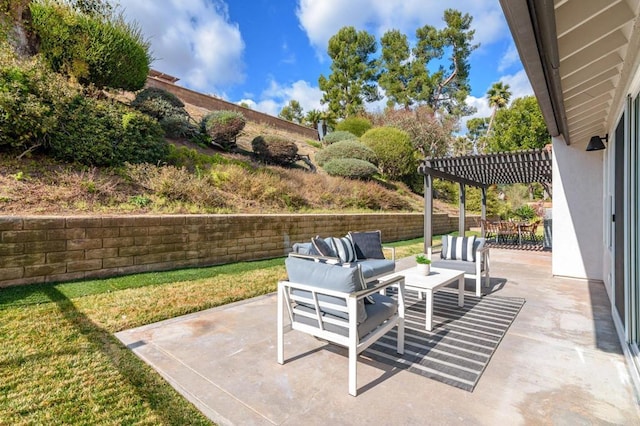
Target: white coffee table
x=429 y=284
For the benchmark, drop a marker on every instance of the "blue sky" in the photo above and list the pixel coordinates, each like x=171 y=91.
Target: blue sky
x=267 y=52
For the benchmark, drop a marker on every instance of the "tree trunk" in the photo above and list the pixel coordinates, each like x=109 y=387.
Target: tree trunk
x=16 y=15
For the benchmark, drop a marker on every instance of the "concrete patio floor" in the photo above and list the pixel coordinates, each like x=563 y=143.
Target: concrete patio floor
x=560 y=363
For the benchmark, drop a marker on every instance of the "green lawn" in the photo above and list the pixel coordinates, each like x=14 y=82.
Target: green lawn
x=61 y=364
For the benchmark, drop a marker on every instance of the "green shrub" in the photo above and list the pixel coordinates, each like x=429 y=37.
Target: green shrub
x=223 y=127
x=156 y=93
x=103 y=133
x=351 y=168
x=314 y=144
x=168 y=110
x=350 y=148
x=355 y=125
x=191 y=159
x=393 y=148
x=31 y=100
x=334 y=137
x=87 y=134
x=104 y=51
x=445 y=190
x=178 y=126
x=142 y=140
x=275 y=149
x=525 y=212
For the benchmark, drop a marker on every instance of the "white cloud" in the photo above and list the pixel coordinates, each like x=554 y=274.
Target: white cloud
x=276 y=96
x=482 y=110
x=509 y=58
x=193 y=40
x=519 y=85
x=321 y=19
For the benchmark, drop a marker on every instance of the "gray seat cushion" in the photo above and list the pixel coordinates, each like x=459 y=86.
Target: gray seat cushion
x=373 y=267
x=377 y=313
x=458 y=265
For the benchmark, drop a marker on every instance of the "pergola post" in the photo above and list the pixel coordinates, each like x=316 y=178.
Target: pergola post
x=483 y=214
x=461 y=223
x=428 y=214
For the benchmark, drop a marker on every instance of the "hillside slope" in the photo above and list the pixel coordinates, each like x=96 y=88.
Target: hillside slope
x=236 y=183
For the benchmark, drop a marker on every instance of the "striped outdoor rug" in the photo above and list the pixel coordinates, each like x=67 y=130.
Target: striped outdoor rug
x=462 y=341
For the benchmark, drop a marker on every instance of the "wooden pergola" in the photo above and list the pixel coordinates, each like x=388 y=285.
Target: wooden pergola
x=480 y=171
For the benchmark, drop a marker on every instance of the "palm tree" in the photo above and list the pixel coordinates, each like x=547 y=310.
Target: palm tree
x=313 y=117
x=498 y=96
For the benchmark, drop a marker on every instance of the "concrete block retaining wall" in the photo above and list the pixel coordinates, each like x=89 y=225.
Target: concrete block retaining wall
x=39 y=249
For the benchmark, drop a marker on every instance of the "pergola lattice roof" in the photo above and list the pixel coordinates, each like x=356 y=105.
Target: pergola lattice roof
x=499 y=168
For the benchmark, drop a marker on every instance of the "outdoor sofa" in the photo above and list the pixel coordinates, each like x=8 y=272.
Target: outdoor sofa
x=357 y=248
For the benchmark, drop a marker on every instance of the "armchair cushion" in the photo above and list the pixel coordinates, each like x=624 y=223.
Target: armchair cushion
x=458 y=265
x=377 y=313
x=458 y=248
x=330 y=277
x=368 y=245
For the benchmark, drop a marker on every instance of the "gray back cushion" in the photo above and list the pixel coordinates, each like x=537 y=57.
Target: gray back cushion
x=305 y=248
x=478 y=244
x=368 y=245
x=329 y=277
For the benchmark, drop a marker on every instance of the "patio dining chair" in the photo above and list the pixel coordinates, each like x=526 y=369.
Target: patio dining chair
x=508 y=231
x=492 y=231
x=529 y=231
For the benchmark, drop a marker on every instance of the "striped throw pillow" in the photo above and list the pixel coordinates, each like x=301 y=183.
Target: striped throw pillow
x=343 y=247
x=459 y=248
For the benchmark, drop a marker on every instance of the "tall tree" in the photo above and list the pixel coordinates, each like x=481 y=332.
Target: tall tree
x=353 y=73
x=292 y=112
x=477 y=133
x=396 y=77
x=447 y=88
x=498 y=96
x=520 y=126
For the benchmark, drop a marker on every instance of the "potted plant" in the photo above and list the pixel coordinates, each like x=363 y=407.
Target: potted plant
x=424 y=264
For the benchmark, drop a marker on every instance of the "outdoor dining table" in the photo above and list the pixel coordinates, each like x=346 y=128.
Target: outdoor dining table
x=509 y=229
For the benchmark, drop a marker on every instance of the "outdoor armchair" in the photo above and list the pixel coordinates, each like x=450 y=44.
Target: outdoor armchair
x=328 y=302
x=468 y=254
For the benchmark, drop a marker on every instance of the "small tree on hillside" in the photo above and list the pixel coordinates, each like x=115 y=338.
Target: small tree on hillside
x=430 y=135
x=223 y=127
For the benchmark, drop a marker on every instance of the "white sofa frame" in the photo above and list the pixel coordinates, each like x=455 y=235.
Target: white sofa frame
x=355 y=345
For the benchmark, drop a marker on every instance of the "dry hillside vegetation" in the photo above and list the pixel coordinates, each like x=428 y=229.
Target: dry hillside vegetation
x=233 y=183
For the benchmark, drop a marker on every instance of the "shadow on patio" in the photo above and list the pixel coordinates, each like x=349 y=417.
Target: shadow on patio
x=559 y=362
